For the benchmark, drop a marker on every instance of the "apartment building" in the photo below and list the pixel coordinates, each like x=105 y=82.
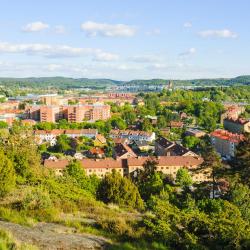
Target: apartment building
x=91 y=112
x=75 y=113
x=49 y=113
x=232 y=112
x=225 y=142
x=53 y=100
x=99 y=167
x=167 y=164
x=239 y=125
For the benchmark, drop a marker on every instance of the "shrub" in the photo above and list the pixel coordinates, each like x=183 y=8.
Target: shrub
x=36 y=199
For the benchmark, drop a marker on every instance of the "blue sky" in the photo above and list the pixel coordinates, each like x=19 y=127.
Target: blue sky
x=123 y=40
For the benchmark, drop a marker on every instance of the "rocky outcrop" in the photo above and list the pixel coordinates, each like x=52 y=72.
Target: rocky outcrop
x=49 y=236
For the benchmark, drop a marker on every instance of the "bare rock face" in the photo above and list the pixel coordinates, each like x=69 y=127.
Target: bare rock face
x=49 y=236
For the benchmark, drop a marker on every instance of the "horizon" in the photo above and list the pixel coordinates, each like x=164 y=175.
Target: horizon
x=135 y=79
x=125 y=41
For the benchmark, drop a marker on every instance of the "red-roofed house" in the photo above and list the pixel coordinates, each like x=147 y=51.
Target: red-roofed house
x=225 y=142
x=239 y=125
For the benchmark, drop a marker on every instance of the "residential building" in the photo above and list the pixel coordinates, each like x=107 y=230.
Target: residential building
x=100 y=141
x=176 y=124
x=123 y=151
x=239 y=125
x=164 y=147
x=53 y=100
x=232 y=112
x=99 y=167
x=33 y=112
x=49 y=113
x=195 y=132
x=50 y=136
x=169 y=165
x=225 y=142
x=91 y=112
x=96 y=153
x=132 y=135
x=10 y=104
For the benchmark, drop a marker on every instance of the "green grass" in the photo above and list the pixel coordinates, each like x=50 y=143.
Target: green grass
x=14 y=216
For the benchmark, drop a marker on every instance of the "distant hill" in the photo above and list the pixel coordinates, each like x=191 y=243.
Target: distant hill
x=65 y=82
x=56 y=82
x=245 y=80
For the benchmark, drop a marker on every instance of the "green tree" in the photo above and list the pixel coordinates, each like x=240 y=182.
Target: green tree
x=242 y=160
x=183 y=178
x=120 y=190
x=146 y=125
x=239 y=195
x=211 y=164
x=148 y=180
x=62 y=143
x=76 y=172
x=118 y=123
x=7 y=174
x=191 y=142
x=21 y=148
x=3 y=124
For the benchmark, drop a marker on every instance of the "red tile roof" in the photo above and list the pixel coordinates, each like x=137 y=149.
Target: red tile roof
x=66 y=132
x=86 y=163
x=239 y=120
x=168 y=161
x=225 y=135
x=176 y=124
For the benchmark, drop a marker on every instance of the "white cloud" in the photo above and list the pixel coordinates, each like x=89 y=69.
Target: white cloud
x=145 y=58
x=104 y=56
x=154 y=32
x=225 y=33
x=48 y=50
x=187 y=25
x=60 y=29
x=108 y=30
x=54 y=67
x=189 y=52
x=35 y=27
x=158 y=66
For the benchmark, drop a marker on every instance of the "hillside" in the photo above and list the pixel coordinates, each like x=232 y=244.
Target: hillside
x=65 y=83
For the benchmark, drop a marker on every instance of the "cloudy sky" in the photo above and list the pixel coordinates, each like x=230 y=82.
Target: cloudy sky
x=125 y=39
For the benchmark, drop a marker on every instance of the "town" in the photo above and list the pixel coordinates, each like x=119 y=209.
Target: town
x=124 y=125
x=92 y=130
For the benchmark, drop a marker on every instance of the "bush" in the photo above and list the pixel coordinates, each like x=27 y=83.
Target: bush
x=118 y=226
x=36 y=199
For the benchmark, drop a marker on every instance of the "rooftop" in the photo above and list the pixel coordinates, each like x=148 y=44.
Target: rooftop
x=167 y=161
x=85 y=163
x=239 y=120
x=225 y=135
